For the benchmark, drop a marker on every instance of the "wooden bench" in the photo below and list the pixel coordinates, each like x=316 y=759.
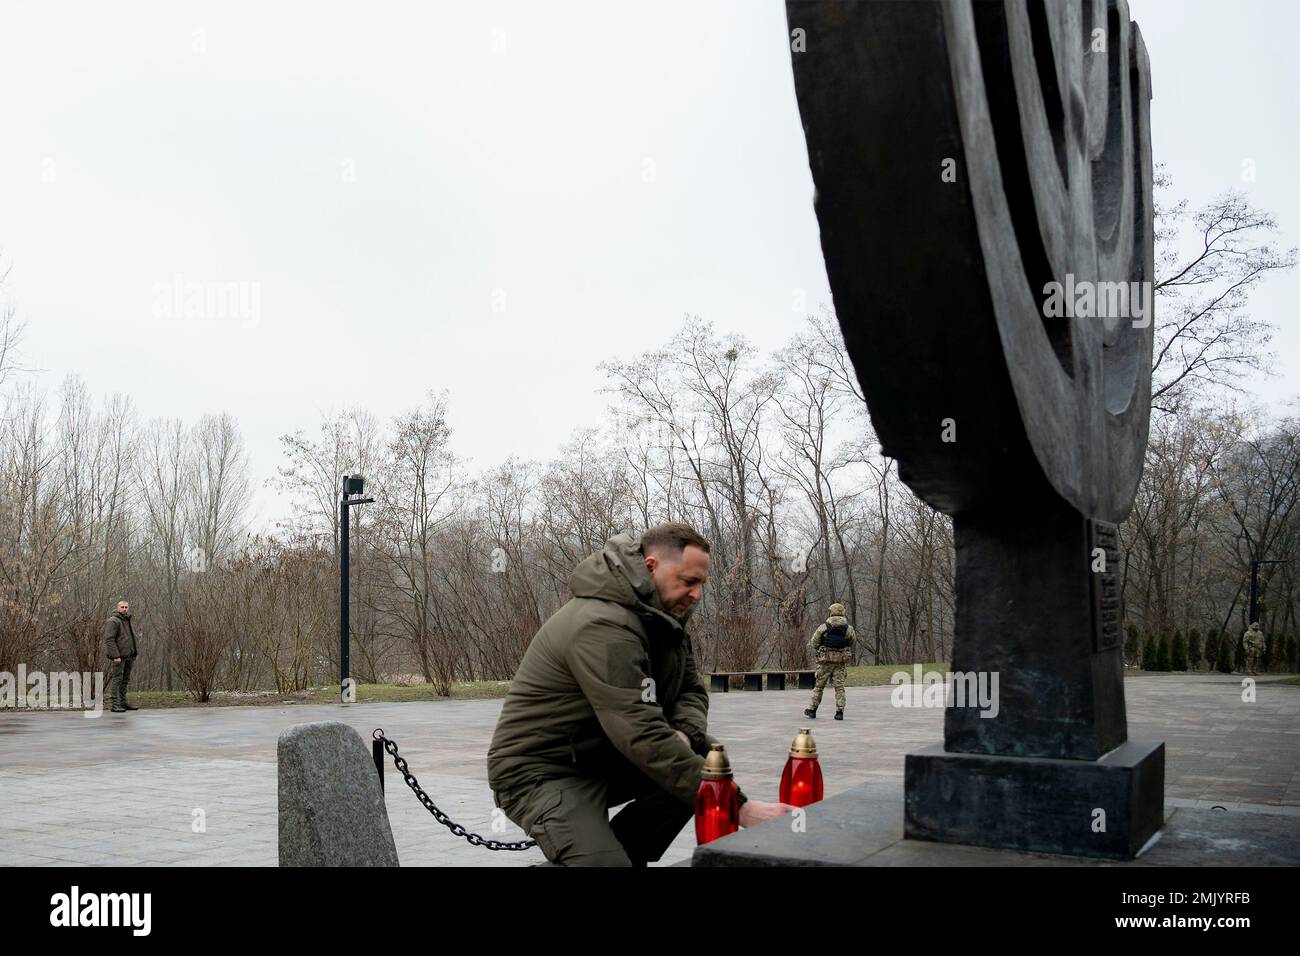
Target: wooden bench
x=720 y=681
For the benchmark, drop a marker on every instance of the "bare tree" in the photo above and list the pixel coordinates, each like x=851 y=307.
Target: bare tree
x=413 y=502
x=1208 y=264
x=311 y=476
x=218 y=487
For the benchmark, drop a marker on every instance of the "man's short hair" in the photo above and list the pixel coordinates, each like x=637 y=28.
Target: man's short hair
x=671 y=537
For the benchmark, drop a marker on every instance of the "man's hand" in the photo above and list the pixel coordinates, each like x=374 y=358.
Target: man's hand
x=754 y=812
x=117 y=660
x=686 y=740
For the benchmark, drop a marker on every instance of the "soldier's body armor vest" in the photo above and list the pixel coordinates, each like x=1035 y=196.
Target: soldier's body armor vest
x=835 y=638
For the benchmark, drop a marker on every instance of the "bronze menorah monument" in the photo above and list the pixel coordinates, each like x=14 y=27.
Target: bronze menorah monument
x=971 y=161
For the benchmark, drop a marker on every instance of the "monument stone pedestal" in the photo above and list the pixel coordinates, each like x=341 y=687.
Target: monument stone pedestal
x=1105 y=808
x=1051 y=769
x=863 y=826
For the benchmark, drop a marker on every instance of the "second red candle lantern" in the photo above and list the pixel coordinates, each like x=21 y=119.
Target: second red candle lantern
x=801 y=782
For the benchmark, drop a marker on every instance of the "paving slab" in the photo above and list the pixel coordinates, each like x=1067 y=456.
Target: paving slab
x=198 y=785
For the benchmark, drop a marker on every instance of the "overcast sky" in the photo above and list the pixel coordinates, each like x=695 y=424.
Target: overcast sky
x=488 y=198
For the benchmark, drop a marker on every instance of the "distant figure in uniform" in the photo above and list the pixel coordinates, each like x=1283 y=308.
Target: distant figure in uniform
x=119 y=645
x=832 y=644
x=607 y=707
x=1253 y=638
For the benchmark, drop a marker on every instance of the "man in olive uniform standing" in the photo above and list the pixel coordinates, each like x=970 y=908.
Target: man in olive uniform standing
x=607 y=707
x=1253 y=639
x=119 y=645
x=832 y=643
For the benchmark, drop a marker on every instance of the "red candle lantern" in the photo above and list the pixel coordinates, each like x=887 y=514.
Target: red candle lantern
x=717 y=811
x=801 y=782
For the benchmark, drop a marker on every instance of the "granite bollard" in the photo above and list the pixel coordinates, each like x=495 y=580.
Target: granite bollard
x=331 y=805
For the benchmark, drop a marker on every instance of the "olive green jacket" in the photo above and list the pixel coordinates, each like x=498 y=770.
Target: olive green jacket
x=610 y=673
x=119 y=638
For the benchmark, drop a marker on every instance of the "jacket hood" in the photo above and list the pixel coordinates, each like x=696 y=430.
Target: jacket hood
x=618 y=573
x=837 y=619
x=120 y=616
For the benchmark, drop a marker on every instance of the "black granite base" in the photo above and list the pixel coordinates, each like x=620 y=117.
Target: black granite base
x=1106 y=808
x=863 y=826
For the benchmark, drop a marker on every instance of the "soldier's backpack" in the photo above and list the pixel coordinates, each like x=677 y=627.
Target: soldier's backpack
x=835 y=637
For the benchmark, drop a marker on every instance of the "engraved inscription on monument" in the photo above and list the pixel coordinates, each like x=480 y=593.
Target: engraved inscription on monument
x=1105 y=586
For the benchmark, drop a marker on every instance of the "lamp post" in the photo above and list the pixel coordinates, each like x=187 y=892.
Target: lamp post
x=1254 y=589
x=353 y=485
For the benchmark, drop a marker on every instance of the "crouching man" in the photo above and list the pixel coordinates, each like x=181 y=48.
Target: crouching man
x=607 y=707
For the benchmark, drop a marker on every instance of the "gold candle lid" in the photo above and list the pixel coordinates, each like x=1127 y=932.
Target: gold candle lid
x=804 y=745
x=716 y=764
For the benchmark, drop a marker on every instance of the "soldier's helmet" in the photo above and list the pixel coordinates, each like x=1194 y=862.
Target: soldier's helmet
x=837 y=610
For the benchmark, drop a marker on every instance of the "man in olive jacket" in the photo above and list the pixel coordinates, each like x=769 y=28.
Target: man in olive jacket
x=607 y=706
x=119 y=645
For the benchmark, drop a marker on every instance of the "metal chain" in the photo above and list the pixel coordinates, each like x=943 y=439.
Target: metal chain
x=438 y=815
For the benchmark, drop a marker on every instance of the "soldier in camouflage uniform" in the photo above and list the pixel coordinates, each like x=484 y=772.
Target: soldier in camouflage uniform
x=832 y=644
x=1253 y=639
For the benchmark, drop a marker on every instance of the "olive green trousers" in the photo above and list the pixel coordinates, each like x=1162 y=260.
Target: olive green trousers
x=569 y=816
x=119 y=681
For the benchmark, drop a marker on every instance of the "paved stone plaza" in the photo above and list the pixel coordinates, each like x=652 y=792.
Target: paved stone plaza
x=124 y=788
